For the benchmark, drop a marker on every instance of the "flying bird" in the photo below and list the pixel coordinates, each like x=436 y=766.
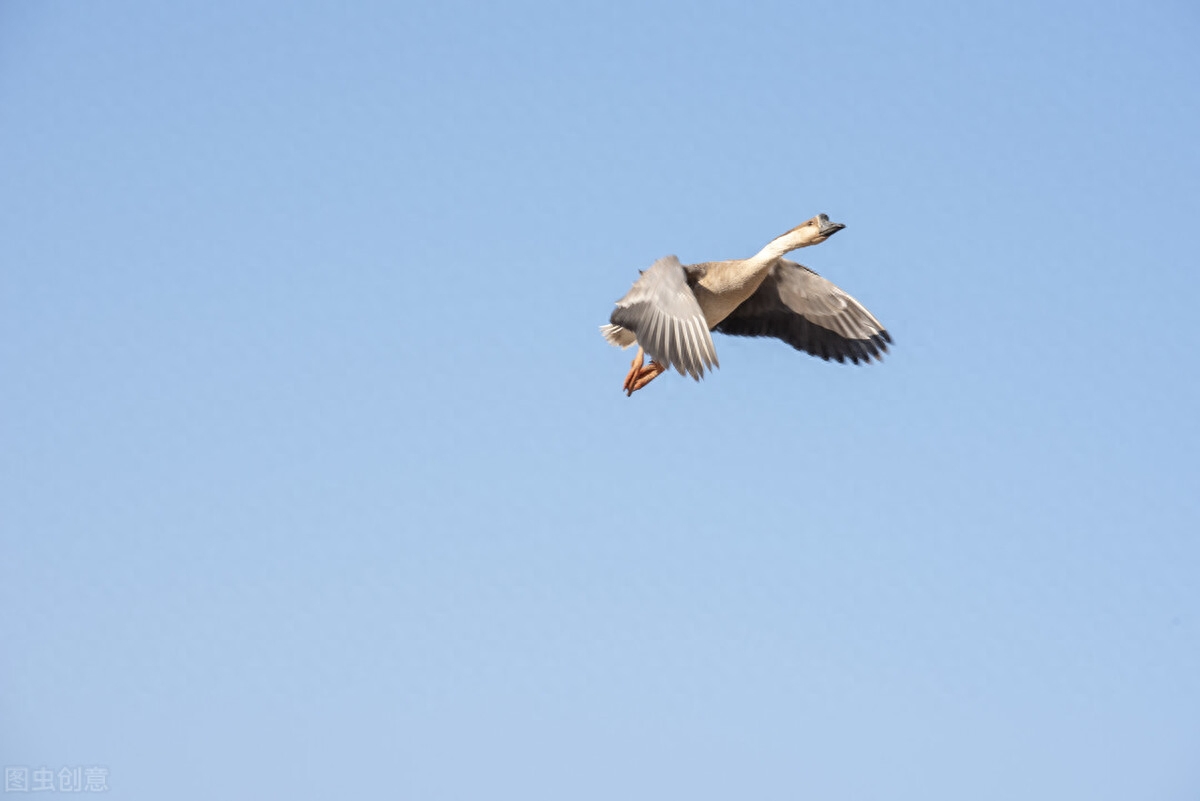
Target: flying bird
x=672 y=307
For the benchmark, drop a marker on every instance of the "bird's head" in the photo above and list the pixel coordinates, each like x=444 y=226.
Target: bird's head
x=811 y=232
x=814 y=231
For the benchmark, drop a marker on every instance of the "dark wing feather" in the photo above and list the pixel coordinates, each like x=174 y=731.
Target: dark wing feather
x=810 y=314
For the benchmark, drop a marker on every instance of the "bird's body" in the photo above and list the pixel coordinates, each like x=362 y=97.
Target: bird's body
x=722 y=286
x=671 y=308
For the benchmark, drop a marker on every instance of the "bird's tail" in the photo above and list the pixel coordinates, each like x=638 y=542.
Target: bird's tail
x=616 y=335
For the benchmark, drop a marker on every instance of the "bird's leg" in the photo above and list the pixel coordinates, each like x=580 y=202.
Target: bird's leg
x=645 y=375
x=634 y=369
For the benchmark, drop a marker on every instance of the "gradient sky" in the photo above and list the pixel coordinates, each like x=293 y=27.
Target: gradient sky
x=317 y=480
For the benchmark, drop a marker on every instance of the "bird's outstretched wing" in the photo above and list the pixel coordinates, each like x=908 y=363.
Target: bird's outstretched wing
x=663 y=314
x=810 y=314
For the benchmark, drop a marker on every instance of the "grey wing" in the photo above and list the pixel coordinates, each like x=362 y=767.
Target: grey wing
x=663 y=314
x=810 y=314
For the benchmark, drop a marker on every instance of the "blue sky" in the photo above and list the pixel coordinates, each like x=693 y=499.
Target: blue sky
x=317 y=476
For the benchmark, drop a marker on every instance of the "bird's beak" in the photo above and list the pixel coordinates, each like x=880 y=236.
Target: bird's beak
x=828 y=228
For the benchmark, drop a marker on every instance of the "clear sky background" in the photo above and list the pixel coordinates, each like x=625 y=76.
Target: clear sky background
x=317 y=478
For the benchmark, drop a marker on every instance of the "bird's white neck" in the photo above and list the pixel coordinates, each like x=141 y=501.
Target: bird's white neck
x=780 y=245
